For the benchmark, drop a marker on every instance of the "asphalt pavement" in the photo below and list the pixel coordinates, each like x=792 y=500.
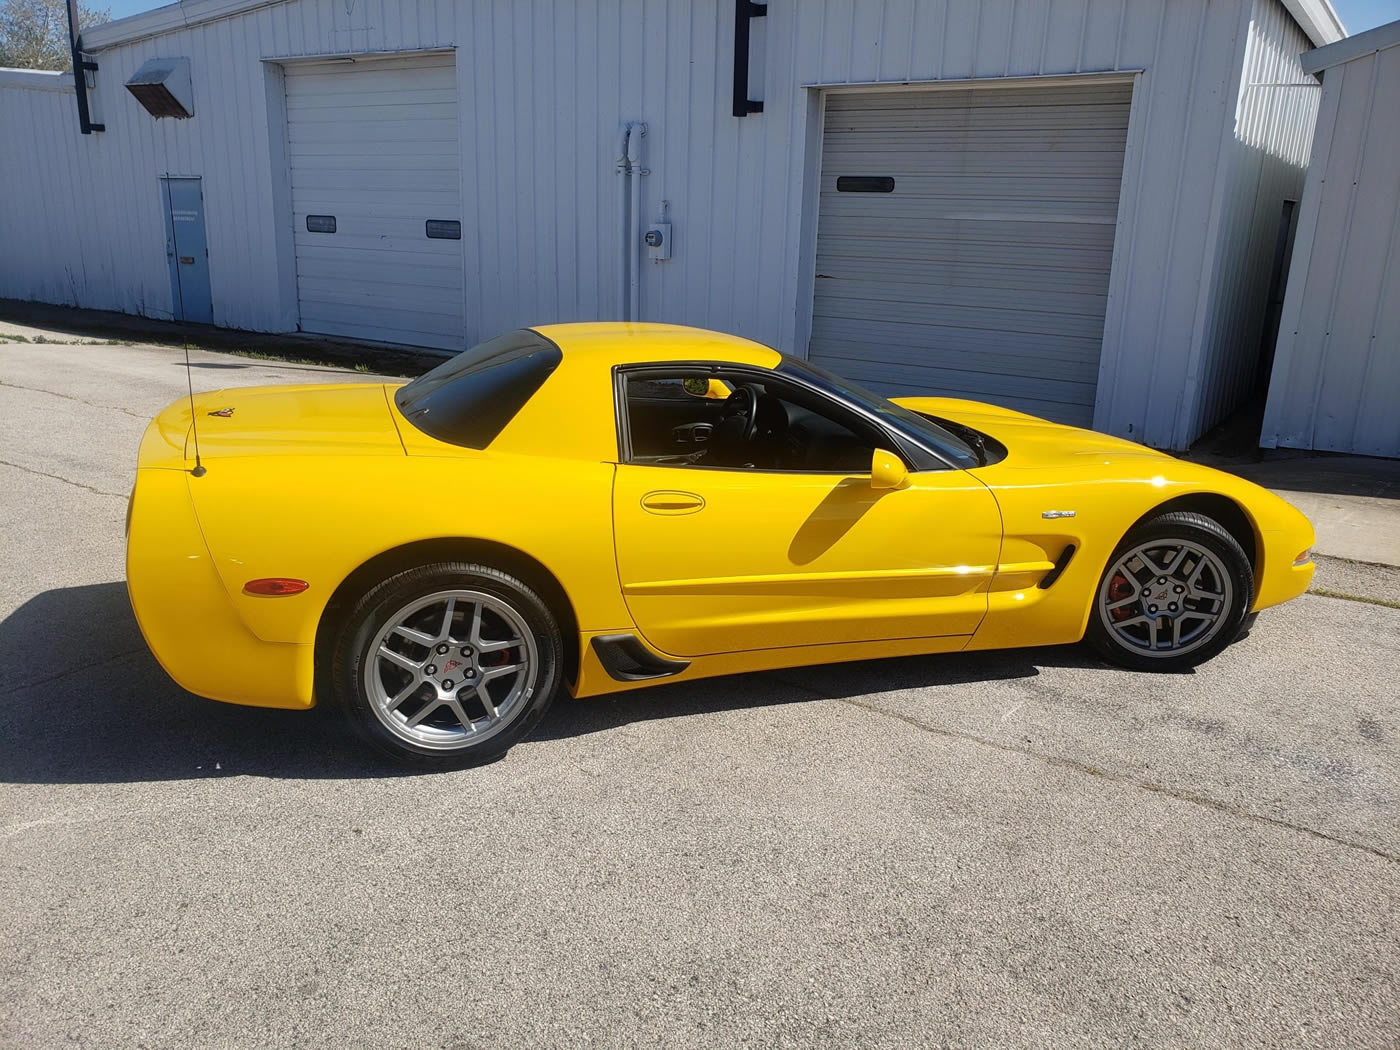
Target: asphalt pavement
x=1018 y=849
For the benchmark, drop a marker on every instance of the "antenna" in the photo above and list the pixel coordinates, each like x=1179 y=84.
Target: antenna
x=199 y=470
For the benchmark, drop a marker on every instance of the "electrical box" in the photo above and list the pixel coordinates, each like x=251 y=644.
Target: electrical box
x=658 y=240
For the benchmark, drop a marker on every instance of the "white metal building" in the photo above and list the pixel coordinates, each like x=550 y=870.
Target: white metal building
x=1336 y=375
x=1067 y=206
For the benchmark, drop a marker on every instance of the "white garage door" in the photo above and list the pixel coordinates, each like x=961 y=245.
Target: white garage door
x=964 y=242
x=376 y=199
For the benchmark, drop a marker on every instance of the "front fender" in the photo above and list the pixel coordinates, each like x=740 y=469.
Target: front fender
x=1108 y=495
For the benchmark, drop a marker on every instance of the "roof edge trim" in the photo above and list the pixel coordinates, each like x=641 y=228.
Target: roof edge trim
x=1318 y=19
x=36 y=79
x=171 y=18
x=1353 y=47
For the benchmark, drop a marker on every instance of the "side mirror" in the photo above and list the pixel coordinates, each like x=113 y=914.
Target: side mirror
x=712 y=389
x=887 y=471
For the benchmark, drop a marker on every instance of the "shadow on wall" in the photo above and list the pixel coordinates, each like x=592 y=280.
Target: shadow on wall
x=88 y=704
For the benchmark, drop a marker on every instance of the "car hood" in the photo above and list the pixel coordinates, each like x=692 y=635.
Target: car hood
x=342 y=419
x=1030 y=441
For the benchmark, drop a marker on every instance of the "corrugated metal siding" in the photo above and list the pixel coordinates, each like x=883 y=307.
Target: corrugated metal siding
x=52 y=249
x=1265 y=162
x=543 y=85
x=983 y=272
x=1336 y=379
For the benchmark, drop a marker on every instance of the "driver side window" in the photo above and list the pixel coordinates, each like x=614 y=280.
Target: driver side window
x=741 y=421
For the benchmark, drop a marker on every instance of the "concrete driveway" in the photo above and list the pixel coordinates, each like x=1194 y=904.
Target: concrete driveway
x=1016 y=849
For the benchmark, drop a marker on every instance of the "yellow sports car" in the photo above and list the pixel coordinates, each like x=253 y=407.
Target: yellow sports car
x=596 y=507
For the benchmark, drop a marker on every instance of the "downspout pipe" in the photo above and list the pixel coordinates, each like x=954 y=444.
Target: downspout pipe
x=635 y=172
x=624 y=173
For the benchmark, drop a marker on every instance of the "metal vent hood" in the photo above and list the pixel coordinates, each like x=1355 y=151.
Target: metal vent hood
x=162 y=85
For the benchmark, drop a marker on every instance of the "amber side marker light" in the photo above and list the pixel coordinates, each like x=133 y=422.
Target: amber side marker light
x=1303 y=558
x=274 y=587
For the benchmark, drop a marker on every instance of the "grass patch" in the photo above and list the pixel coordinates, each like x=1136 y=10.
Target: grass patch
x=1344 y=596
x=48 y=340
x=286 y=359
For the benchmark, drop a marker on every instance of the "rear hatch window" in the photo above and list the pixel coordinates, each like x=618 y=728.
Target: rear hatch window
x=468 y=400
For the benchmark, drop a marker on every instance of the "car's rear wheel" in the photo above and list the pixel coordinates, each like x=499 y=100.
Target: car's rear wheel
x=1175 y=593
x=447 y=665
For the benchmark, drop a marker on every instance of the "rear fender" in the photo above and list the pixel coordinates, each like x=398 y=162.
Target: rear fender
x=321 y=519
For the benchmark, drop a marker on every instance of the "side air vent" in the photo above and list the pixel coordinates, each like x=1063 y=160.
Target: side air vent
x=163 y=87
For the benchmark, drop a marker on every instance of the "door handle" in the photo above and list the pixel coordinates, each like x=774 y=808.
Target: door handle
x=188 y=260
x=672 y=502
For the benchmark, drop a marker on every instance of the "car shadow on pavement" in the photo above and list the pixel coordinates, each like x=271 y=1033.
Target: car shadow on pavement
x=84 y=702
x=856 y=680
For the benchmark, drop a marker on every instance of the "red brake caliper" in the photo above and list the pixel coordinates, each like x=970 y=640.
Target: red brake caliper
x=1121 y=587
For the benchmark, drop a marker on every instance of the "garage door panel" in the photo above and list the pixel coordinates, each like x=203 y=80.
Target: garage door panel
x=1039 y=118
x=408 y=130
x=983 y=96
x=957 y=270
x=885 y=335
x=432 y=323
x=392 y=202
x=1024 y=186
x=972 y=207
x=374 y=144
x=1029 y=322
x=984 y=272
x=377 y=109
x=338 y=323
x=900 y=233
x=342 y=154
x=915 y=376
x=388 y=251
x=325 y=93
x=415 y=256
x=330 y=274
x=949 y=161
x=430 y=286
x=974 y=297
x=414 y=304
x=966 y=359
x=1023 y=140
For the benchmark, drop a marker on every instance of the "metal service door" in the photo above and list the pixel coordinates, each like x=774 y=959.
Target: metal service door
x=186 y=249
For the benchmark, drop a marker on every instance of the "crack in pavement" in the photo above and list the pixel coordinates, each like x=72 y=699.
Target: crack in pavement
x=1120 y=778
x=71 y=671
x=70 y=397
x=66 y=481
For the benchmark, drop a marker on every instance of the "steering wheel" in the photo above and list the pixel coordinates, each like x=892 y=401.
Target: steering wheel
x=743 y=402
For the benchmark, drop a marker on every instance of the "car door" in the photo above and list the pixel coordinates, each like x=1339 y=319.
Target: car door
x=716 y=559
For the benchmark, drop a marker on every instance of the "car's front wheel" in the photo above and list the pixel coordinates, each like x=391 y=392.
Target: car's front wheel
x=1175 y=593
x=448 y=664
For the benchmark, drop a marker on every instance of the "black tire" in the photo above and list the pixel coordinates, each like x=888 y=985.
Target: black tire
x=371 y=614
x=1234 y=564
x=1247 y=626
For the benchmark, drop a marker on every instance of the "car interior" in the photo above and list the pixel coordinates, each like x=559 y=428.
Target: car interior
x=740 y=421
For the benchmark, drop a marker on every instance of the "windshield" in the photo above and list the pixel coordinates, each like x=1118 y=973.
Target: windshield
x=468 y=400
x=921 y=428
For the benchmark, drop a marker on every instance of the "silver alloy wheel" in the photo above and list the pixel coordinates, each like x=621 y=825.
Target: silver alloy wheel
x=1165 y=598
x=451 y=670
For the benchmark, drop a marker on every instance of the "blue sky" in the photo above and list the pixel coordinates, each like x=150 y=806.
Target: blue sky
x=1356 y=14
x=1366 y=14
